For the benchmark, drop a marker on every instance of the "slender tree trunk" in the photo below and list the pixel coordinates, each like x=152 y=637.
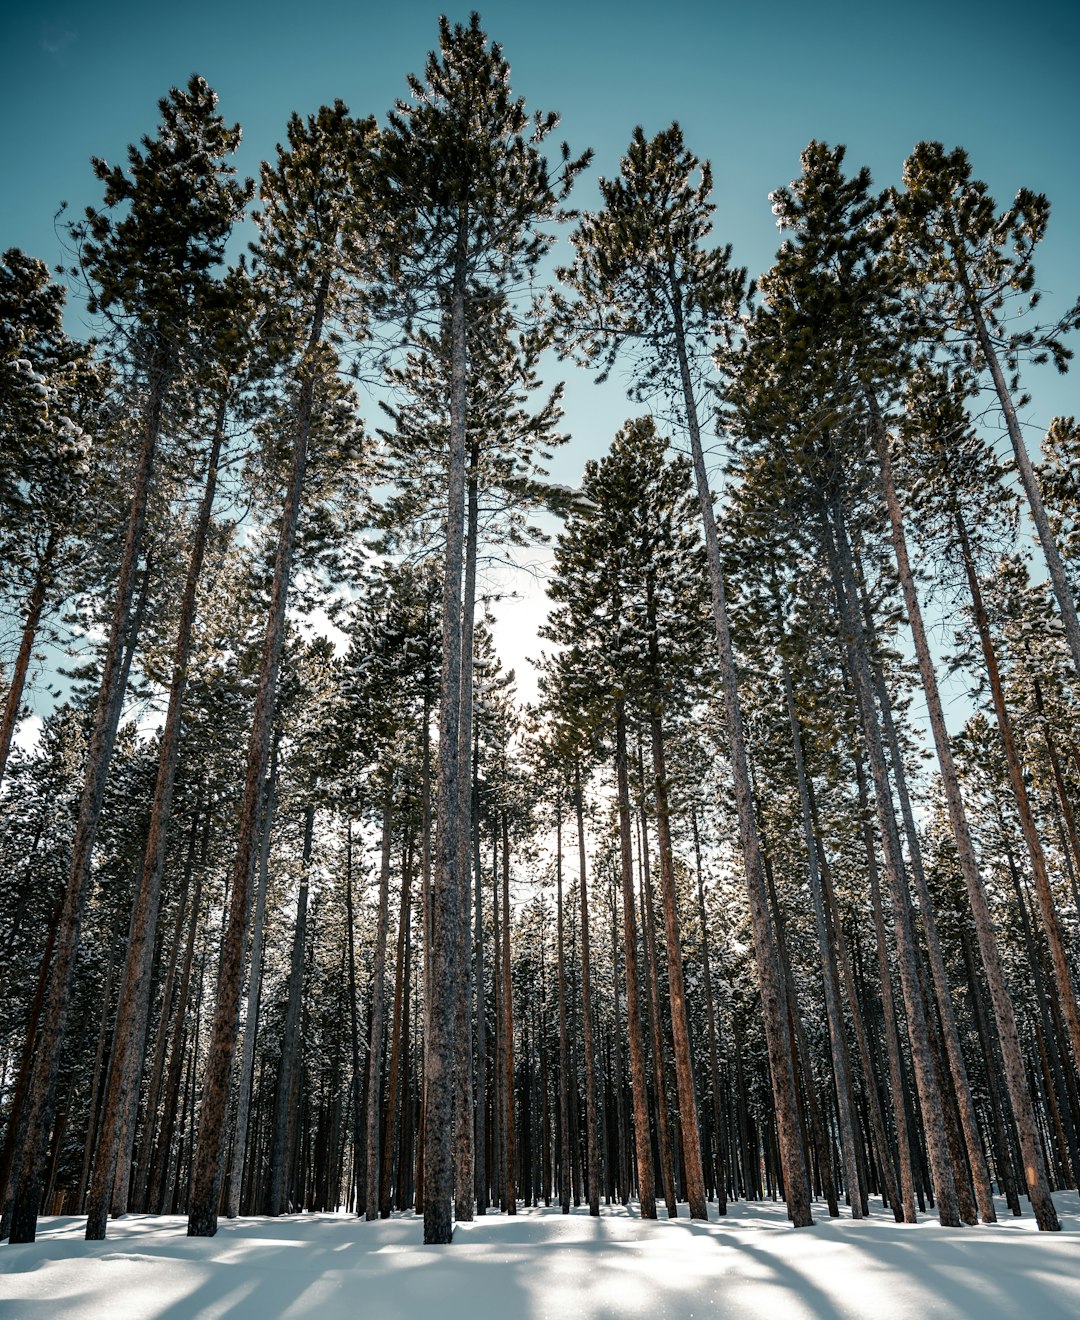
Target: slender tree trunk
x=831 y=981
x=35 y=604
x=480 y=1176
x=375 y=1030
x=1000 y=999
x=592 y=1135
x=508 y=1030
x=443 y=990
x=1051 y=924
x=680 y=1027
x=646 y=1192
x=398 y=1043
x=281 y=1183
x=354 y=1028
x=251 y=1021
x=773 y=995
x=714 y=1051
x=839 y=554
x=113 y=1162
x=1028 y=479
x=463 y=1043
x=210 y=1146
x=564 y=1044
x=41 y=1098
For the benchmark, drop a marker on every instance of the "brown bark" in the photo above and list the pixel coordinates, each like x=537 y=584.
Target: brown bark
x=209 y=1149
x=41 y=1096
x=35 y=604
x=113 y=1162
x=591 y=1133
x=714 y=1052
x=508 y=1031
x=375 y=1022
x=985 y=934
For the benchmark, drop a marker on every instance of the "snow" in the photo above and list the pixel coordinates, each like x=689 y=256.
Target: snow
x=542 y=1265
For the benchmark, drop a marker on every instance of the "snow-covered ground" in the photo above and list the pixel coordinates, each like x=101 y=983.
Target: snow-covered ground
x=542 y=1265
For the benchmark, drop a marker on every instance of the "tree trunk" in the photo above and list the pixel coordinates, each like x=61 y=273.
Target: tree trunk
x=714 y=1052
x=839 y=554
x=443 y=991
x=207 y=1161
x=1000 y=999
x=41 y=1097
x=281 y=1184
x=508 y=1030
x=591 y=1133
x=831 y=981
x=35 y=604
x=113 y=1162
x=375 y=1025
x=251 y=1021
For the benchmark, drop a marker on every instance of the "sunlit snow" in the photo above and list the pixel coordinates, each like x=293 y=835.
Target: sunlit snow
x=542 y=1265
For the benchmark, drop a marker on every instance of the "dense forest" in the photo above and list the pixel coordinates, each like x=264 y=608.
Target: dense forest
x=302 y=908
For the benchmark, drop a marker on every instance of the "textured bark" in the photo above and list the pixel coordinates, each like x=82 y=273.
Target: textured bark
x=508 y=1032
x=354 y=1026
x=680 y=1026
x=646 y=1192
x=886 y=1165
x=375 y=1022
x=210 y=1146
x=839 y=554
x=655 y=1022
x=1048 y=912
x=564 y=1041
x=480 y=1174
x=251 y=1020
x=41 y=1095
x=464 y=1117
x=398 y=1040
x=282 y=1184
x=830 y=979
x=592 y=1135
x=714 y=1052
x=35 y=604
x=771 y=983
x=985 y=934
x=982 y=1203
x=113 y=1161
x=442 y=990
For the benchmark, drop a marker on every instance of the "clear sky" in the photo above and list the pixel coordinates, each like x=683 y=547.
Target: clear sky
x=749 y=84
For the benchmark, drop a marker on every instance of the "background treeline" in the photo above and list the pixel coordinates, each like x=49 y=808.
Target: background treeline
x=290 y=922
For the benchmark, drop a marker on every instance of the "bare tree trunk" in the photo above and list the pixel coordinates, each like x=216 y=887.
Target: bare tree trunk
x=442 y=991
x=564 y=1044
x=646 y=1192
x=591 y=1135
x=354 y=1029
x=480 y=1175
x=1051 y=924
x=113 y=1162
x=839 y=555
x=375 y=1028
x=251 y=1021
x=652 y=1010
x=281 y=1184
x=1000 y=999
x=398 y=1042
x=463 y=1043
x=210 y=1146
x=831 y=981
x=508 y=1030
x=35 y=604
x=41 y=1096
x=714 y=1052
x=680 y=1027
x=773 y=995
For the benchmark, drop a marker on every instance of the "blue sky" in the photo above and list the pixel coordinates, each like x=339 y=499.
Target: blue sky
x=750 y=86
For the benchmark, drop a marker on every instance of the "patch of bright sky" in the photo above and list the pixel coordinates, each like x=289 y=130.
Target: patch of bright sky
x=749 y=85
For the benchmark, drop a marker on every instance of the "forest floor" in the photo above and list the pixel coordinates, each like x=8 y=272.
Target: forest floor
x=541 y=1265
